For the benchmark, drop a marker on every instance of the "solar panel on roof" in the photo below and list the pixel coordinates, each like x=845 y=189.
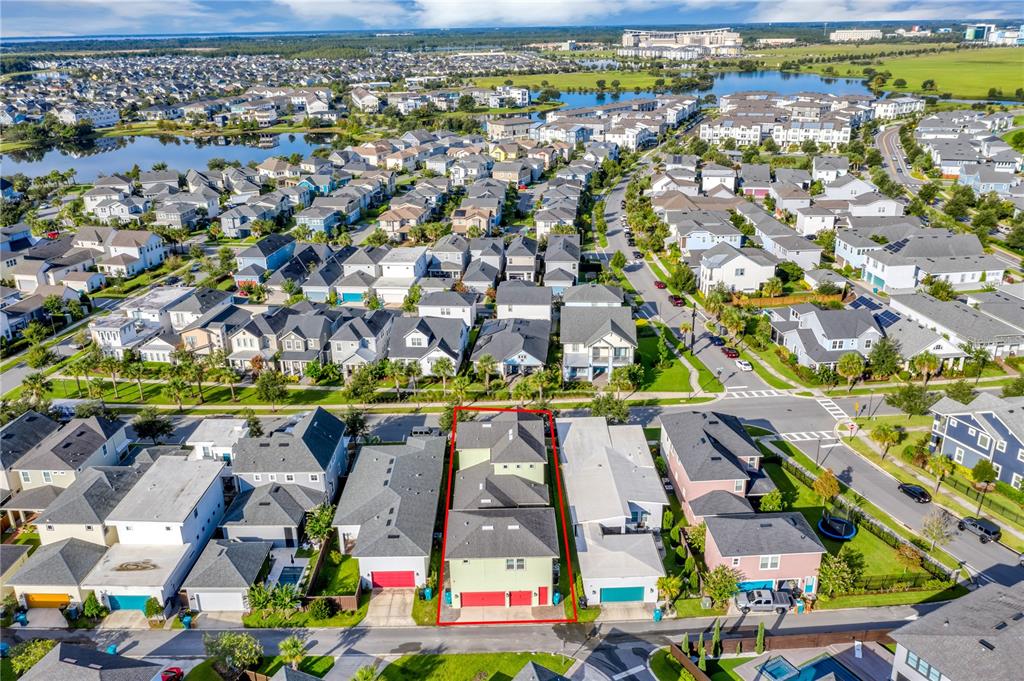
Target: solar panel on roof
x=887 y=318
x=866 y=303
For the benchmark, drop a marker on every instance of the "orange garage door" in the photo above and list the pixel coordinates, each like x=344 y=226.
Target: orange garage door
x=47 y=600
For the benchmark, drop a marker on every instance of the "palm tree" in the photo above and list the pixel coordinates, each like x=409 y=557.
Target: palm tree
x=35 y=387
x=292 y=650
x=851 y=367
x=445 y=369
x=670 y=588
x=485 y=367
x=940 y=466
x=177 y=388
x=395 y=371
x=734 y=321
x=460 y=388
x=886 y=436
x=285 y=597
x=979 y=355
x=112 y=366
x=927 y=364
x=78 y=370
x=772 y=287
x=227 y=376
x=135 y=370
x=366 y=673
x=94 y=388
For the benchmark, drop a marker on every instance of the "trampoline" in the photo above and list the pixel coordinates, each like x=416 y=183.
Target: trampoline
x=836 y=527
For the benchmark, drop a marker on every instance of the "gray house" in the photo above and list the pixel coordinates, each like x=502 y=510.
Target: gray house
x=820 y=337
x=976 y=636
x=520 y=346
x=221 y=577
x=312 y=452
x=387 y=512
x=361 y=340
x=596 y=340
x=274 y=513
x=86 y=663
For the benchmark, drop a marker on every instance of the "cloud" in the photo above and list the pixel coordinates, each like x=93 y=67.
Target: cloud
x=100 y=17
x=366 y=12
x=877 y=10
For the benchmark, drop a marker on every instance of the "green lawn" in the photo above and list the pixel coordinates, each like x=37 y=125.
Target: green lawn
x=316 y=665
x=894 y=598
x=879 y=558
x=763 y=373
x=754 y=431
x=902 y=420
x=202 y=672
x=424 y=613
x=708 y=381
x=256 y=620
x=469 y=667
x=28 y=537
x=666 y=668
x=966 y=74
x=674 y=378
x=338 y=578
x=690 y=607
x=770 y=358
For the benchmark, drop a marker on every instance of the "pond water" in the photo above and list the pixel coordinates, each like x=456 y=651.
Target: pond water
x=118 y=154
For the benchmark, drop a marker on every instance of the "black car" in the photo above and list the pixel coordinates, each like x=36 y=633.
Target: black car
x=638 y=255
x=915 y=492
x=717 y=341
x=985 y=529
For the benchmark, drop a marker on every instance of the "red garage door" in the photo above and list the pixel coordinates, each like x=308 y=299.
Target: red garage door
x=471 y=598
x=400 y=578
x=521 y=598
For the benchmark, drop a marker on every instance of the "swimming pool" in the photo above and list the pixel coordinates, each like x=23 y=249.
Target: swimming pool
x=822 y=667
x=778 y=669
x=290 y=574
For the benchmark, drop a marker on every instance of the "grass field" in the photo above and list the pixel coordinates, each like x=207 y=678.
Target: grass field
x=468 y=667
x=314 y=665
x=776 y=56
x=665 y=667
x=674 y=378
x=628 y=80
x=966 y=74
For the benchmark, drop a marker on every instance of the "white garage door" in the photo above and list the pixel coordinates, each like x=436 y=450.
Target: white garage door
x=211 y=602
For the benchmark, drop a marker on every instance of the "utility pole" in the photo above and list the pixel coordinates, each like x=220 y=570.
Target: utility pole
x=693 y=325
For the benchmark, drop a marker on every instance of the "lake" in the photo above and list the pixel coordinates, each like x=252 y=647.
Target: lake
x=118 y=154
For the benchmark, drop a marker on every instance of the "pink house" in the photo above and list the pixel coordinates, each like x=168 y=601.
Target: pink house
x=771 y=550
x=714 y=465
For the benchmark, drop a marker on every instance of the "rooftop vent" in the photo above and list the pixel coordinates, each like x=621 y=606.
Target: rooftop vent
x=986 y=645
x=487 y=528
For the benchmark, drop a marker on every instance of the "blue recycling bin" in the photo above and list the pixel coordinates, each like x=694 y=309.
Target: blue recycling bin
x=657 y=615
x=557 y=598
x=112 y=649
x=5 y=648
x=428 y=593
x=448 y=598
x=186 y=621
x=21 y=619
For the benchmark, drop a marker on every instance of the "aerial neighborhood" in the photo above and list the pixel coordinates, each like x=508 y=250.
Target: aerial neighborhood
x=693 y=354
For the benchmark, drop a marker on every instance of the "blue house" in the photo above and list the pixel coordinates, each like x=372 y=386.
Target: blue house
x=266 y=255
x=985 y=178
x=321 y=185
x=990 y=427
x=318 y=219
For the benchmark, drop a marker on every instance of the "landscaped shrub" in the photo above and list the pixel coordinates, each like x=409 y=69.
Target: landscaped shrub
x=321 y=609
x=691 y=565
x=673 y=534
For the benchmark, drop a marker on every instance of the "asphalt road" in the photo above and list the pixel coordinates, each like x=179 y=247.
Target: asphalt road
x=888 y=142
x=656 y=304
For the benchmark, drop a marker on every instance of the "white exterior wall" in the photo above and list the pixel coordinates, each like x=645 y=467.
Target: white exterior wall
x=274 y=534
x=419 y=565
x=196 y=528
x=524 y=311
x=95 y=534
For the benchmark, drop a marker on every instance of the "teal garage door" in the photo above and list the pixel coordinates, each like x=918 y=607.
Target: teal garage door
x=128 y=602
x=622 y=594
x=351 y=297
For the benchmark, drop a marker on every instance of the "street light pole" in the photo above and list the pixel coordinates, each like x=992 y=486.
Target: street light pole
x=693 y=326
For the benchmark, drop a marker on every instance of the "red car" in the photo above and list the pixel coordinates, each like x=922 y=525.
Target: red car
x=660 y=284
x=677 y=301
x=172 y=674
x=731 y=353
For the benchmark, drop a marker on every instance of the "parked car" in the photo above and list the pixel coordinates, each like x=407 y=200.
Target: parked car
x=744 y=365
x=172 y=674
x=660 y=284
x=915 y=492
x=717 y=341
x=985 y=529
x=677 y=301
x=638 y=255
x=763 y=600
x=731 y=353
x=424 y=431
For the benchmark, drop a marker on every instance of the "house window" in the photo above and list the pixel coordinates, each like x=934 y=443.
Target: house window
x=972 y=432
x=737 y=485
x=922 y=667
x=736 y=562
x=49 y=528
x=1001 y=446
x=520 y=563
x=416 y=342
x=288 y=477
x=257 y=477
x=510 y=564
x=958 y=455
x=1016 y=481
x=837 y=344
x=27 y=476
x=998 y=469
x=273 y=477
x=88 y=528
x=313 y=477
x=984 y=441
x=1020 y=455
x=47 y=477
x=740 y=272
x=769 y=562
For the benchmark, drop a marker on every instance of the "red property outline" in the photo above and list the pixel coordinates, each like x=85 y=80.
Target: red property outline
x=561 y=514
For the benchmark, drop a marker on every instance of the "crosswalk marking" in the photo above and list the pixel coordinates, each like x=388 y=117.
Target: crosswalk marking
x=834 y=410
x=629 y=672
x=746 y=394
x=804 y=436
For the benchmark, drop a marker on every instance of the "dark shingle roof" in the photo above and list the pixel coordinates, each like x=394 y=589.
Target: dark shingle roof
x=67 y=662
x=501 y=533
x=23 y=433
x=228 y=564
x=276 y=505
x=758 y=534
x=305 y=447
x=709 y=445
x=63 y=563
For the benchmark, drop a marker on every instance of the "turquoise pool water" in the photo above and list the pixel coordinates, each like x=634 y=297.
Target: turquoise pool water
x=290 y=575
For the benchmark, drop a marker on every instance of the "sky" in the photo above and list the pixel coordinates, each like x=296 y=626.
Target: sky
x=22 y=18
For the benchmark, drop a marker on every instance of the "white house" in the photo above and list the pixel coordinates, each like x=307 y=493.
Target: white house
x=740 y=269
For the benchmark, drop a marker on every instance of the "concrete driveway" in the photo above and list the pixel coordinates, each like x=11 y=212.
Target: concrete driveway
x=621 y=612
x=124 y=619
x=43 y=618
x=390 y=608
